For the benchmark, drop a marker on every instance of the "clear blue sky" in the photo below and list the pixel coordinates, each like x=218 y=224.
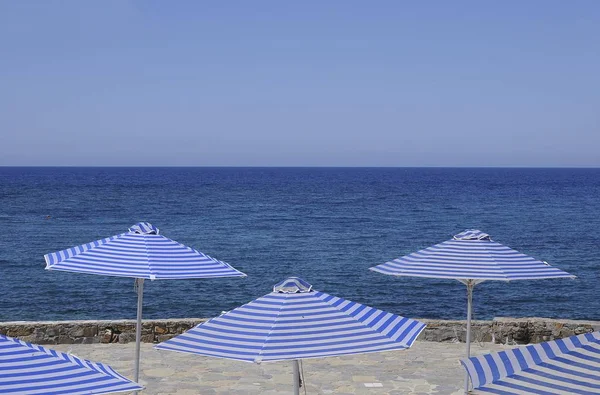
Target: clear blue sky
x=315 y=83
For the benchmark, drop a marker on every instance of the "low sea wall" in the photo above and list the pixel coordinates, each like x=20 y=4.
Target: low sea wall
x=507 y=330
x=498 y=330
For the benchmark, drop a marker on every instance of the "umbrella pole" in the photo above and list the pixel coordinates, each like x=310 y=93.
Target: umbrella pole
x=296 y=368
x=139 y=282
x=470 y=286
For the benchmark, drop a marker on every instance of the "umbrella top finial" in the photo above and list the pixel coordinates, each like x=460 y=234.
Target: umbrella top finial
x=144 y=228
x=292 y=285
x=472 y=234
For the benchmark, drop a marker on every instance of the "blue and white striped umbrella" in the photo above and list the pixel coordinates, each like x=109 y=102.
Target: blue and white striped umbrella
x=31 y=369
x=470 y=257
x=296 y=322
x=565 y=366
x=142 y=253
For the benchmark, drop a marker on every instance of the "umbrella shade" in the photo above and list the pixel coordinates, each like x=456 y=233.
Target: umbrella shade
x=31 y=369
x=295 y=322
x=140 y=253
x=470 y=255
x=570 y=365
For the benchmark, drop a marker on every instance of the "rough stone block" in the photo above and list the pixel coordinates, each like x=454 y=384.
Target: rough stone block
x=74 y=331
x=163 y=338
x=19 y=331
x=30 y=339
x=52 y=330
x=149 y=338
x=126 y=337
x=65 y=340
x=90 y=331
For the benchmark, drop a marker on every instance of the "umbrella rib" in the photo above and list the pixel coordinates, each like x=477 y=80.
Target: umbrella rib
x=151 y=274
x=260 y=353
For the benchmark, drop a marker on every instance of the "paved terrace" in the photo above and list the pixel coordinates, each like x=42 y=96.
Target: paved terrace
x=426 y=368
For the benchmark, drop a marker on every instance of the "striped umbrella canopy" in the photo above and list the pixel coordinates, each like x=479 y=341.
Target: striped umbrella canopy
x=295 y=322
x=565 y=366
x=31 y=369
x=470 y=257
x=142 y=253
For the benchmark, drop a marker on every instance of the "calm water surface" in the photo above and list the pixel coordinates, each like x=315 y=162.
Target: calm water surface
x=327 y=225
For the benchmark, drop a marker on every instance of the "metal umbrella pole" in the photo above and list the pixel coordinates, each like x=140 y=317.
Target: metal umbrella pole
x=296 y=368
x=139 y=283
x=470 y=286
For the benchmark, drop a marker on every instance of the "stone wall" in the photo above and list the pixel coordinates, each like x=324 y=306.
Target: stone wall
x=118 y=331
x=499 y=330
x=537 y=330
x=506 y=330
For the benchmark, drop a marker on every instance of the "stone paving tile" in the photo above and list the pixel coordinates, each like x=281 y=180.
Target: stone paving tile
x=426 y=368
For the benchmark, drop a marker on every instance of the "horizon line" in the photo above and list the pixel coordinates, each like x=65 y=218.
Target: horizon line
x=302 y=166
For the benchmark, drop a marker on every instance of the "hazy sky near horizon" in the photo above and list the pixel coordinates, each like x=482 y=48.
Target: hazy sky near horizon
x=313 y=83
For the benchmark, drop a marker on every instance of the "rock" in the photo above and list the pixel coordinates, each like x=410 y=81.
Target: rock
x=126 y=337
x=75 y=331
x=65 y=340
x=164 y=338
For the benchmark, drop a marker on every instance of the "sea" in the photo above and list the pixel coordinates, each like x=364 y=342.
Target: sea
x=325 y=225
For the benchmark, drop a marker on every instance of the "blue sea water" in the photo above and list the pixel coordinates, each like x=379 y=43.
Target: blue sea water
x=327 y=225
